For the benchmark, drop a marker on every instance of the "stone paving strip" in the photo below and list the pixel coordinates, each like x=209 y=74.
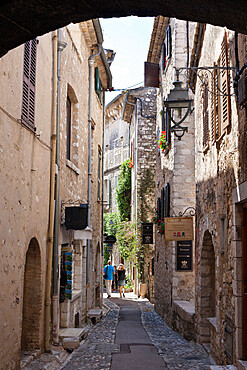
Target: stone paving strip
x=95 y=352
x=177 y=352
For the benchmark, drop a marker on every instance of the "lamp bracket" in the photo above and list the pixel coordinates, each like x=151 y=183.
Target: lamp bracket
x=202 y=74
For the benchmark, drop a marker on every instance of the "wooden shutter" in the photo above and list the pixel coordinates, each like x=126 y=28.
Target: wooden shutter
x=163 y=127
x=167 y=127
x=164 y=58
x=68 y=154
x=167 y=200
x=108 y=192
x=29 y=79
x=215 y=106
x=97 y=83
x=162 y=204
x=168 y=42
x=205 y=115
x=225 y=86
x=213 y=92
x=159 y=209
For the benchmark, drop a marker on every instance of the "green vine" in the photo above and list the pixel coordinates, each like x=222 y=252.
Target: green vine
x=123 y=191
x=145 y=194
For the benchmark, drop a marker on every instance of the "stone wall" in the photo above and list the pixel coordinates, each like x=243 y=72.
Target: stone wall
x=174 y=166
x=25 y=174
x=220 y=167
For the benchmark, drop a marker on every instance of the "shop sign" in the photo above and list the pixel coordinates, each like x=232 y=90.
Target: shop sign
x=179 y=228
x=110 y=239
x=184 y=255
x=68 y=269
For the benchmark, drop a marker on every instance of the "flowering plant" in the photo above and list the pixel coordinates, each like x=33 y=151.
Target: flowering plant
x=130 y=163
x=160 y=223
x=161 y=228
x=162 y=141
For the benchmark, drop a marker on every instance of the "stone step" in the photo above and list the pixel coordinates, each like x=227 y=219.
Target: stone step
x=95 y=315
x=241 y=365
x=223 y=367
x=80 y=333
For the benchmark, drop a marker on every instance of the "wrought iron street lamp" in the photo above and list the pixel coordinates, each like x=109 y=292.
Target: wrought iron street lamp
x=178 y=99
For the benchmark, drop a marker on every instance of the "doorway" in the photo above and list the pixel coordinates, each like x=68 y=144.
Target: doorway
x=32 y=299
x=244 y=282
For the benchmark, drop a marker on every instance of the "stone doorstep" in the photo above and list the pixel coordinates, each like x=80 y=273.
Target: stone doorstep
x=185 y=310
x=79 y=333
x=223 y=367
x=95 y=314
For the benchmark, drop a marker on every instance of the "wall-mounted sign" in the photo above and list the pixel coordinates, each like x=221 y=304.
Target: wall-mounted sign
x=184 y=255
x=179 y=228
x=147 y=233
x=68 y=269
x=109 y=248
x=110 y=239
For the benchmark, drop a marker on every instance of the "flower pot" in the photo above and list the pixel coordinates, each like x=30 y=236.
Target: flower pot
x=143 y=290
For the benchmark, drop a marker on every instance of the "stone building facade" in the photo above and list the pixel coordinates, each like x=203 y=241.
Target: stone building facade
x=26 y=115
x=175 y=179
x=140 y=111
x=117 y=150
x=221 y=195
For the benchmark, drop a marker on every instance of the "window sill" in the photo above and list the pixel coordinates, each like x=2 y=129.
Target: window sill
x=205 y=149
x=219 y=139
x=72 y=167
x=75 y=294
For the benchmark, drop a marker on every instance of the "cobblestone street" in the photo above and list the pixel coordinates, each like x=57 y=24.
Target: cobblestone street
x=100 y=349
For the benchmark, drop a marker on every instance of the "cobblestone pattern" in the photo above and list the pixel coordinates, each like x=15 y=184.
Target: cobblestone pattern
x=177 y=352
x=95 y=352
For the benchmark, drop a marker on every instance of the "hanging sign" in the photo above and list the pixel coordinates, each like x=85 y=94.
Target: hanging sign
x=110 y=239
x=68 y=269
x=184 y=255
x=179 y=228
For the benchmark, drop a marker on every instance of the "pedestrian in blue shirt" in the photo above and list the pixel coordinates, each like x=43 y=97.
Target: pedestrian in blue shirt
x=108 y=272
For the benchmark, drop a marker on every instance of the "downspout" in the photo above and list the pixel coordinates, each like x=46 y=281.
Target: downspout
x=52 y=195
x=90 y=64
x=55 y=297
x=102 y=176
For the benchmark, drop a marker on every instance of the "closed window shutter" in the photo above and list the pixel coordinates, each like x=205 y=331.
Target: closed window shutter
x=162 y=204
x=164 y=58
x=213 y=90
x=108 y=192
x=159 y=208
x=168 y=42
x=167 y=200
x=29 y=79
x=167 y=128
x=163 y=127
x=68 y=149
x=225 y=86
x=205 y=115
x=97 y=83
x=215 y=106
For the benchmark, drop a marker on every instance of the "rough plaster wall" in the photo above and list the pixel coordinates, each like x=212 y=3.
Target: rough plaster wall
x=24 y=187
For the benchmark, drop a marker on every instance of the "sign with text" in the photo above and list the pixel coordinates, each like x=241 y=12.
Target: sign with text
x=184 y=255
x=179 y=228
x=109 y=247
x=147 y=233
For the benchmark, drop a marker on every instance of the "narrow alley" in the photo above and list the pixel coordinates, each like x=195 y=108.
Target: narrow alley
x=133 y=336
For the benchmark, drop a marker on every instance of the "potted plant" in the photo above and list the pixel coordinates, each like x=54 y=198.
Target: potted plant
x=162 y=141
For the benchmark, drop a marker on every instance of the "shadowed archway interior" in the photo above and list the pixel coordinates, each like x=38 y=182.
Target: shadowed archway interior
x=24 y=20
x=32 y=299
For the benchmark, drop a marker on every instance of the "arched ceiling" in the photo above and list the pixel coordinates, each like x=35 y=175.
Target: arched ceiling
x=22 y=20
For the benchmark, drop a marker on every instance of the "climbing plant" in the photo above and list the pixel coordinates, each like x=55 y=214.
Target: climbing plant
x=145 y=193
x=123 y=191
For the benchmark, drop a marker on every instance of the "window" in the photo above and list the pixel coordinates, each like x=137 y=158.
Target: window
x=108 y=192
x=220 y=103
x=29 y=77
x=98 y=86
x=205 y=115
x=165 y=125
x=116 y=181
x=68 y=129
x=99 y=174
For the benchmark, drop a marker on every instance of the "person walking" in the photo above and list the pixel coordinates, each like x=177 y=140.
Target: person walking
x=121 y=279
x=108 y=273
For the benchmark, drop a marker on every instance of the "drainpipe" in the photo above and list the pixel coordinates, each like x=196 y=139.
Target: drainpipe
x=52 y=195
x=102 y=176
x=90 y=64
x=55 y=297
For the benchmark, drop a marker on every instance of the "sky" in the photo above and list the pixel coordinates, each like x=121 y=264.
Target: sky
x=129 y=37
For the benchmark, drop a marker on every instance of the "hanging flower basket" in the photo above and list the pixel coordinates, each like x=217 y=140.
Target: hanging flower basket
x=160 y=223
x=162 y=141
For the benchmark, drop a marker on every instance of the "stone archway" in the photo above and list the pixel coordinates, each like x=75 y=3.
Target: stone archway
x=24 y=20
x=32 y=299
x=206 y=288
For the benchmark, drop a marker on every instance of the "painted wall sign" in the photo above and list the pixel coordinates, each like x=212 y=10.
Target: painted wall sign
x=184 y=256
x=179 y=228
x=109 y=247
